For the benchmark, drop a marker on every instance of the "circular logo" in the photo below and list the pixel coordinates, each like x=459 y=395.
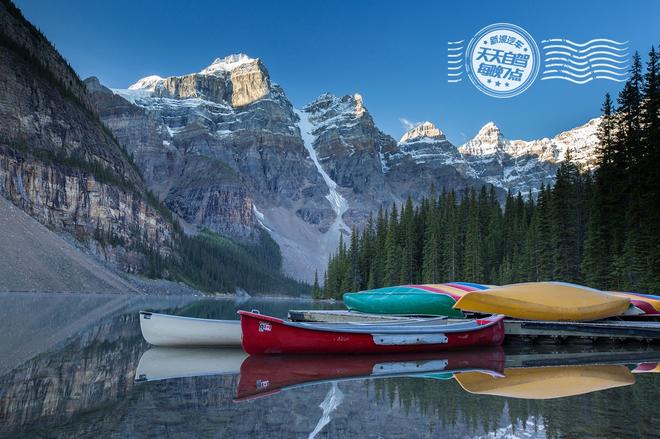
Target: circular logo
x=502 y=60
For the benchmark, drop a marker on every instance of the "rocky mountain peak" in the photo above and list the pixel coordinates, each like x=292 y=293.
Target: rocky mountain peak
x=489 y=133
x=227 y=64
x=93 y=85
x=489 y=140
x=237 y=80
x=423 y=130
x=328 y=106
x=321 y=102
x=359 y=105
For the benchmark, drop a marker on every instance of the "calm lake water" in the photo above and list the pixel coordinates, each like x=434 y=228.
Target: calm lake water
x=69 y=363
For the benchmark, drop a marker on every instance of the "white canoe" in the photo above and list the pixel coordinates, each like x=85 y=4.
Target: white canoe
x=161 y=363
x=169 y=330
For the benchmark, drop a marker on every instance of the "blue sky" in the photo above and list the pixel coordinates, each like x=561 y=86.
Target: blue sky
x=393 y=53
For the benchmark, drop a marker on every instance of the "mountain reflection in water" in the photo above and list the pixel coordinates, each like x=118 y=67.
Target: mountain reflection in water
x=86 y=372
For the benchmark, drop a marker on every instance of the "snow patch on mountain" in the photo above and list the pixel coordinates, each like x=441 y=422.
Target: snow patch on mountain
x=338 y=202
x=227 y=64
x=260 y=218
x=330 y=112
x=147 y=83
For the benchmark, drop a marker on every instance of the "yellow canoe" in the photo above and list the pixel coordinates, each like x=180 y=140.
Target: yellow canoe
x=547 y=382
x=555 y=301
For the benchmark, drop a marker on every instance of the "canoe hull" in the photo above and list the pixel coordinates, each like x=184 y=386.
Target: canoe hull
x=269 y=335
x=404 y=304
x=168 y=330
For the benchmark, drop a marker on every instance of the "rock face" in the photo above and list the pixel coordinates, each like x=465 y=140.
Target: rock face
x=421 y=131
x=236 y=79
x=57 y=161
x=217 y=146
x=522 y=166
x=425 y=152
x=55 y=265
x=349 y=148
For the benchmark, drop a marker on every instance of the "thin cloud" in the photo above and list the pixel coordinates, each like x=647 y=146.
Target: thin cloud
x=407 y=124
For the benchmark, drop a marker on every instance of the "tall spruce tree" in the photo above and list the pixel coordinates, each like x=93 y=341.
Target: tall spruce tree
x=564 y=223
x=392 y=268
x=472 y=266
x=316 y=289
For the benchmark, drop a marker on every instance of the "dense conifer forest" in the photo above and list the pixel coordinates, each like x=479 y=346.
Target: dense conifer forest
x=600 y=229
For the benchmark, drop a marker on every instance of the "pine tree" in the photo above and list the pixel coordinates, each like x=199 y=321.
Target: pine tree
x=316 y=289
x=408 y=244
x=650 y=220
x=392 y=269
x=354 y=276
x=630 y=164
x=472 y=254
x=451 y=238
x=595 y=262
x=564 y=223
x=431 y=271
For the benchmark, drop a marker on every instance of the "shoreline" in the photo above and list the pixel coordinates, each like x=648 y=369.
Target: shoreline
x=201 y=295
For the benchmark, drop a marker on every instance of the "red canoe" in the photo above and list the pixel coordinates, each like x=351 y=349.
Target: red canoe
x=263 y=375
x=269 y=335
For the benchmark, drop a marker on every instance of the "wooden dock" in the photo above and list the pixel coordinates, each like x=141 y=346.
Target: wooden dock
x=520 y=330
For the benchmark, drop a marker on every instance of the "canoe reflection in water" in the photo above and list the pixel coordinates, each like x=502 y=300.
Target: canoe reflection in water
x=529 y=374
x=162 y=363
x=263 y=375
x=548 y=382
x=478 y=371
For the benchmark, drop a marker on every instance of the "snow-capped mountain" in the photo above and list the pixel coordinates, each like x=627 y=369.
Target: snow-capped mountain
x=225 y=149
x=421 y=131
x=425 y=159
x=427 y=144
x=522 y=166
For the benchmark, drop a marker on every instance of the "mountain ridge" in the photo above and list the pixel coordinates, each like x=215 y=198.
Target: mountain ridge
x=306 y=175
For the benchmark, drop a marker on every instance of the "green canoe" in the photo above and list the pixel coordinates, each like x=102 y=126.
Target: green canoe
x=402 y=300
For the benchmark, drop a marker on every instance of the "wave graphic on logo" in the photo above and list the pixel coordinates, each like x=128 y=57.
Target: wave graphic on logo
x=455 y=61
x=579 y=63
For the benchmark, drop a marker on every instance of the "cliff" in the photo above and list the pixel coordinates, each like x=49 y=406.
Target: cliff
x=58 y=162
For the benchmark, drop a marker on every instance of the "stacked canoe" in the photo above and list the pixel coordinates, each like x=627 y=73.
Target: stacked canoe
x=430 y=299
x=547 y=301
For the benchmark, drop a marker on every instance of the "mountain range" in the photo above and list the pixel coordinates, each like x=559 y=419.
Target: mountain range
x=224 y=150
